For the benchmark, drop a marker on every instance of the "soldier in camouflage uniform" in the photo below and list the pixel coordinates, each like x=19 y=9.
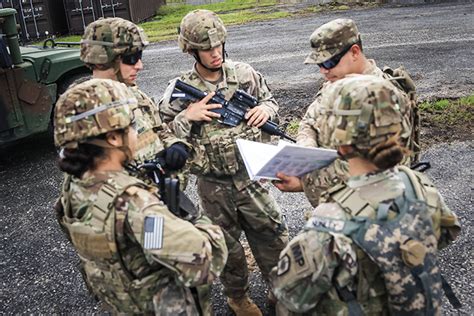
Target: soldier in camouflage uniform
x=138 y=257
x=337 y=50
x=112 y=48
x=323 y=270
x=227 y=195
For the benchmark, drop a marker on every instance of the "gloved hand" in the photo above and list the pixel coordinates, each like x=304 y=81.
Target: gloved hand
x=176 y=156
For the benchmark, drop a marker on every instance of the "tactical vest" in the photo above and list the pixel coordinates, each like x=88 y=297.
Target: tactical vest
x=403 y=81
x=218 y=141
x=146 y=123
x=99 y=239
x=396 y=249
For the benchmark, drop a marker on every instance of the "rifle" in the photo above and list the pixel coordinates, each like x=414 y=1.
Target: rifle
x=177 y=202
x=233 y=111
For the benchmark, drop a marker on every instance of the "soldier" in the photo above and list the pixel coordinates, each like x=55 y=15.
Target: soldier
x=112 y=48
x=227 y=195
x=138 y=257
x=371 y=247
x=337 y=50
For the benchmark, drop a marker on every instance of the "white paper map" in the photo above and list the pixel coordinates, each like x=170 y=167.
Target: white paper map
x=263 y=161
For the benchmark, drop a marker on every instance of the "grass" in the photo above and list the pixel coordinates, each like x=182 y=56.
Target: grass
x=292 y=127
x=438 y=105
x=450 y=111
x=164 y=25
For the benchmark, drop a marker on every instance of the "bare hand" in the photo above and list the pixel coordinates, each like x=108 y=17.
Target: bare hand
x=288 y=183
x=200 y=111
x=257 y=116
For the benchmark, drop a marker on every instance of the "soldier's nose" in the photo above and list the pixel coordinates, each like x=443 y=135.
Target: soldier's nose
x=139 y=65
x=323 y=70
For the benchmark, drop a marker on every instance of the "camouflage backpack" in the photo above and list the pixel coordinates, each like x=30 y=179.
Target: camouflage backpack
x=402 y=80
x=404 y=248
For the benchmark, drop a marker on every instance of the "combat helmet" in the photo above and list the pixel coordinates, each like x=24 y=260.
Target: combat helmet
x=201 y=29
x=92 y=108
x=331 y=39
x=366 y=110
x=105 y=39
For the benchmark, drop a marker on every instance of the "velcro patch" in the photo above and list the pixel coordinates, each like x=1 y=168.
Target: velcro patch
x=153 y=232
x=330 y=224
x=298 y=254
x=283 y=265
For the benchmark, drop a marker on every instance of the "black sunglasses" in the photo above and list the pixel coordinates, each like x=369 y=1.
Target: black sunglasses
x=132 y=59
x=333 y=61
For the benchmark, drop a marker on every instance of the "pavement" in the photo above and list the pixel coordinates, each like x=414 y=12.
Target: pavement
x=38 y=266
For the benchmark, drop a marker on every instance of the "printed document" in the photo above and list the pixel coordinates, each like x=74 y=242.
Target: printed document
x=264 y=161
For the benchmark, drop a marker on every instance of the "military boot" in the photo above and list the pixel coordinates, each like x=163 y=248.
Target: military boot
x=243 y=306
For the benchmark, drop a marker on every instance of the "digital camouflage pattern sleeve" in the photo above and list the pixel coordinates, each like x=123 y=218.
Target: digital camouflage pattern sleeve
x=310 y=263
x=197 y=253
x=450 y=227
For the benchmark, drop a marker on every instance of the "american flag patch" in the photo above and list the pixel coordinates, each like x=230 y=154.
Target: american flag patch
x=153 y=235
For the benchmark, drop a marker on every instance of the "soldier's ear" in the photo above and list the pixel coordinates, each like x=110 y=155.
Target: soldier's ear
x=114 y=138
x=345 y=150
x=356 y=51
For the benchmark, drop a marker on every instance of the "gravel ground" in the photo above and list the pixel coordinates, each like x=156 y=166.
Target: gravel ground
x=38 y=267
x=454 y=178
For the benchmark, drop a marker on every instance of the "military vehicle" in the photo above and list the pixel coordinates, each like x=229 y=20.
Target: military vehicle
x=31 y=79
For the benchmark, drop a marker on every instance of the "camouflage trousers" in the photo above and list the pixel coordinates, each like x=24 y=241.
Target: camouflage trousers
x=253 y=211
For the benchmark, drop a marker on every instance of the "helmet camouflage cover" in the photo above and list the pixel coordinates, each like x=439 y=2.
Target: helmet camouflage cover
x=331 y=38
x=367 y=110
x=201 y=29
x=105 y=39
x=92 y=108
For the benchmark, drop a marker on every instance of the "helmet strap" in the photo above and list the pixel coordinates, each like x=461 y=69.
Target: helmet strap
x=99 y=142
x=195 y=54
x=124 y=148
x=224 y=53
x=117 y=71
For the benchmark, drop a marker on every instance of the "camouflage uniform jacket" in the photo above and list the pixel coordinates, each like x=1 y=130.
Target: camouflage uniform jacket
x=315 y=131
x=137 y=256
x=216 y=153
x=314 y=261
x=153 y=135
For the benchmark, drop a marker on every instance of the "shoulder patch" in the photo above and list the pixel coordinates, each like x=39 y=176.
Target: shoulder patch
x=283 y=265
x=298 y=254
x=153 y=232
